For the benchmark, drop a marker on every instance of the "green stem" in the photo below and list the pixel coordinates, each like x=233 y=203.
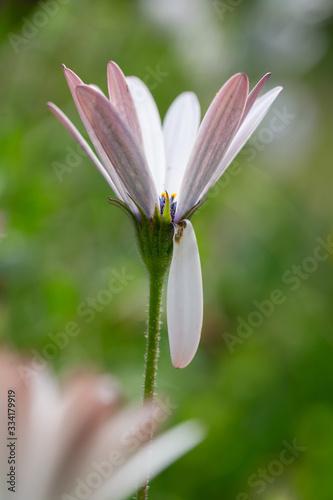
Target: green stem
x=153 y=335
x=152 y=349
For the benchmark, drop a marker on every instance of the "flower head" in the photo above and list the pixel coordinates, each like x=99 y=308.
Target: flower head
x=166 y=171
x=77 y=440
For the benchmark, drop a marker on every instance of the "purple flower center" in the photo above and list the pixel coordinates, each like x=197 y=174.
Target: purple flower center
x=173 y=204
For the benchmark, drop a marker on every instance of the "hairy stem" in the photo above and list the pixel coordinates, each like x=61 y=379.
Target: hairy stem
x=152 y=352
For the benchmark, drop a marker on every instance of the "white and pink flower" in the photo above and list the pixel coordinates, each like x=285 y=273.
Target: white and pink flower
x=145 y=162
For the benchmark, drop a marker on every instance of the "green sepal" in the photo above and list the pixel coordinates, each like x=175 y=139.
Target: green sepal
x=192 y=210
x=154 y=236
x=124 y=208
x=155 y=231
x=136 y=223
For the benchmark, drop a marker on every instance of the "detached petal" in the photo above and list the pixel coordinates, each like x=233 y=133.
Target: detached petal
x=214 y=137
x=151 y=128
x=65 y=121
x=121 y=98
x=254 y=118
x=180 y=127
x=120 y=146
x=184 y=297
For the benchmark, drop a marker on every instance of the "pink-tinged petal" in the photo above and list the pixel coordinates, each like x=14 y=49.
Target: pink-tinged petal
x=65 y=121
x=45 y=414
x=89 y=402
x=184 y=296
x=73 y=81
x=151 y=460
x=180 y=127
x=114 y=434
x=96 y=87
x=214 y=137
x=253 y=96
x=119 y=144
x=254 y=118
x=121 y=98
x=151 y=128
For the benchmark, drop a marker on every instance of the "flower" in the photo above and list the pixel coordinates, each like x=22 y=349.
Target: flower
x=170 y=167
x=76 y=440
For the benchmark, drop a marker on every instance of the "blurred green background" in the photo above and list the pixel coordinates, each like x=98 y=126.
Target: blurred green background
x=257 y=386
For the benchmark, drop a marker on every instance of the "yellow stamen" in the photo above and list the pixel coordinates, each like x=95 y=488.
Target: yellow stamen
x=163 y=194
x=173 y=195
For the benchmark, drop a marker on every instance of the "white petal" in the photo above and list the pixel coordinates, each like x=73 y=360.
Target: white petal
x=151 y=129
x=251 y=122
x=180 y=127
x=122 y=99
x=65 y=121
x=163 y=451
x=184 y=298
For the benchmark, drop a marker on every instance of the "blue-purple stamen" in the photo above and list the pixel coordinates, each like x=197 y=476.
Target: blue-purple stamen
x=173 y=205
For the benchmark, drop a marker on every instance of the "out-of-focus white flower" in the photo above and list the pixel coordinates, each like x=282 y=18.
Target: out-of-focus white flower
x=76 y=441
